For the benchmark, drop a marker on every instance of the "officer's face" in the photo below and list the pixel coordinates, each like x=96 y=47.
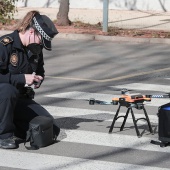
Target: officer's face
x=34 y=44
x=35 y=37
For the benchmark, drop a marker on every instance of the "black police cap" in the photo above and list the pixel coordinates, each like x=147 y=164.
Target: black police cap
x=46 y=28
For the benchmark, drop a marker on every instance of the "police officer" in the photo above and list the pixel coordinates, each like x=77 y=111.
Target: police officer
x=21 y=66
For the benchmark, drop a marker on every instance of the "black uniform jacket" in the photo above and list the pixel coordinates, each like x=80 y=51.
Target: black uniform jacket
x=15 y=61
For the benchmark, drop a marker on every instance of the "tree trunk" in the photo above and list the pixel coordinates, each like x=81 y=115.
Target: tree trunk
x=62 y=16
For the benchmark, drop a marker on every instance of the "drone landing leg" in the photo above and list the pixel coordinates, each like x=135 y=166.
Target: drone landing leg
x=114 y=119
x=117 y=117
x=135 y=124
x=129 y=109
x=148 y=121
x=125 y=118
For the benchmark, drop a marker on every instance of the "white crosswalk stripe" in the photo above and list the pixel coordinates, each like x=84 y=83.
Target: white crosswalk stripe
x=94 y=114
x=113 y=140
x=82 y=95
x=105 y=97
x=35 y=161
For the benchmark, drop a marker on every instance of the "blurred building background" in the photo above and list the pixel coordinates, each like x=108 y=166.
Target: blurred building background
x=146 y=5
x=131 y=14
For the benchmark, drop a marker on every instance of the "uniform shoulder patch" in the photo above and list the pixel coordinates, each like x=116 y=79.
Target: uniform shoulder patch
x=6 y=40
x=14 y=59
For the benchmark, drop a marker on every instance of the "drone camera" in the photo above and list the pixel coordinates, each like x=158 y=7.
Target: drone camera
x=122 y=101
x=139 y=106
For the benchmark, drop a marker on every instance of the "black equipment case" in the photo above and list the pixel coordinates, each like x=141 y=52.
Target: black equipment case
x=164 y=124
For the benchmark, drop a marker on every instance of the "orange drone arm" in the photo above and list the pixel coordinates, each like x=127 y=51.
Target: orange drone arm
x=132 y=99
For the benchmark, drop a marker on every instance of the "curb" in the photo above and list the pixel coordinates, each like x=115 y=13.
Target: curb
x=74 y=36
x=131 y=39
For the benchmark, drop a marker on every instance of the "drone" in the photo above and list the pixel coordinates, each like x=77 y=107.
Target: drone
x=127 y=99
x=130 y=101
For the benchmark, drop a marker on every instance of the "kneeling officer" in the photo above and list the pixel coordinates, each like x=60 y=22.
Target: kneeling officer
x=21 y=65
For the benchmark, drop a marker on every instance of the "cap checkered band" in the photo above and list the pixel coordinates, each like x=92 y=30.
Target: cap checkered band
x=41 y=31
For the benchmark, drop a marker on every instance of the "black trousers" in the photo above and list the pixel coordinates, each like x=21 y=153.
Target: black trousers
x=16 y=112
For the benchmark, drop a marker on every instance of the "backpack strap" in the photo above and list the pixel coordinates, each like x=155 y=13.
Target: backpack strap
x=30 y=138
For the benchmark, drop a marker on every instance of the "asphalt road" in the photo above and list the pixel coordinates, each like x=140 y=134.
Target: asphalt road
x=78 y=70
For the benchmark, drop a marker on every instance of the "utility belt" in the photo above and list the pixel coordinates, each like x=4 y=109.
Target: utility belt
x=27 y=93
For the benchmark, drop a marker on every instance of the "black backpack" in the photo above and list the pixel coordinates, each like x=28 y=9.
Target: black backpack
x=163 y=126
x=40 y=133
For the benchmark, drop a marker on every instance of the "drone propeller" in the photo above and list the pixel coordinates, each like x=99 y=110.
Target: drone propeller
x=122 y=90
x=125 y=91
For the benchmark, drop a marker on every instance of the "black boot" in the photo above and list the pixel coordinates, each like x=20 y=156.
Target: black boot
x=8 y=143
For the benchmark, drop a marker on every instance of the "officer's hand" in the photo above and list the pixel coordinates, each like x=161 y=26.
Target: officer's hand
x=37 y=84
x=32 y=79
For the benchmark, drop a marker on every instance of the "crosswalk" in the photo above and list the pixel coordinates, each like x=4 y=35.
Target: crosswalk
x=45 y=161
x=84 y=141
